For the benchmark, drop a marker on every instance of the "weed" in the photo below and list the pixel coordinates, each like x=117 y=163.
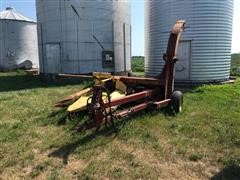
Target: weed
x=195 y=156
x=38 y=169
x=117 y=172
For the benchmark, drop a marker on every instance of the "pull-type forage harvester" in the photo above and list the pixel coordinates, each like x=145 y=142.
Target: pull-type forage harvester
x=133 y=94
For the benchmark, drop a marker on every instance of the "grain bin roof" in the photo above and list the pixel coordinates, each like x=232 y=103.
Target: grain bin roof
x=11 y=14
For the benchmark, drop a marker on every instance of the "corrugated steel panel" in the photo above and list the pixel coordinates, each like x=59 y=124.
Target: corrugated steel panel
x=209 y=30
x=73 y=24
x=18 y=41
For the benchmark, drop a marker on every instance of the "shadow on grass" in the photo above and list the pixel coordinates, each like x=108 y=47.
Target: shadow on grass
x=228 y=173
x=106 y=132
x=65 y=151
x=61 y=116
x=16 y=82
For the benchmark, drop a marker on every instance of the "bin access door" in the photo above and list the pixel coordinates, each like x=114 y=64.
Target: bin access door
x=183 y=65
x=52 y=58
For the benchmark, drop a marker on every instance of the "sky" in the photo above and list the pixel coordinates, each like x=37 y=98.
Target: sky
x=27 y=7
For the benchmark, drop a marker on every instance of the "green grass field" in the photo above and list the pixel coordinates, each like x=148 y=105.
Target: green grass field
x=202 y=142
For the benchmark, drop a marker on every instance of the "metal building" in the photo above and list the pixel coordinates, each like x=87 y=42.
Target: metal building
x=18 y=41
x=82 y=36
x=205 y=47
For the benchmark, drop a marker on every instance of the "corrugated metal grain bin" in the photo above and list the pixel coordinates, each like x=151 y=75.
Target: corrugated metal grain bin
x=18 y=41
x=205 y=46
x=82 y=36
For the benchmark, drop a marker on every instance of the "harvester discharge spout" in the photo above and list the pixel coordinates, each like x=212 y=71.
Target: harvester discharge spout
x=133 y=94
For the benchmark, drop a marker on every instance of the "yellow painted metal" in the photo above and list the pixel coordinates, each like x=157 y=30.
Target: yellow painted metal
x=117 y=94
x=100 y=75
x=101 y=79
x=72 y=98
x=81 y=103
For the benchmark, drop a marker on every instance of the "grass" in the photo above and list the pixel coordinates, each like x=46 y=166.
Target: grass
x=235 y=65
x=202 y=142
x=137 y=64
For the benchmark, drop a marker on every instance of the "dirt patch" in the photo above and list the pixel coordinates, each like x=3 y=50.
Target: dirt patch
x=186 y=170
x=170 y=168
x=75 y=165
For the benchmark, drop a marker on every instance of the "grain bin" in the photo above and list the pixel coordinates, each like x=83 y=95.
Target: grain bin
x=205 y=47
x=82 y=36
x=18 y=41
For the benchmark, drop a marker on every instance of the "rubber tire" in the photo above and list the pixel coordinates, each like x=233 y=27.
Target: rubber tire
x=177 y=102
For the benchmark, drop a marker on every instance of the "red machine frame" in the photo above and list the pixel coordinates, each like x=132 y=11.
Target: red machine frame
x=158 y=92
